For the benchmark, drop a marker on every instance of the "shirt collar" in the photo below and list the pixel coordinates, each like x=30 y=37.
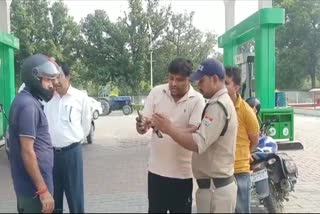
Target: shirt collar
x=191 y=93
x=70 y=91
x=27 y=90
x=238 y=101
x=218 y=94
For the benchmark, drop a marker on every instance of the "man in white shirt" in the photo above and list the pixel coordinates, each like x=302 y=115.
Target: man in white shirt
x=170 y=175
x=69 y=117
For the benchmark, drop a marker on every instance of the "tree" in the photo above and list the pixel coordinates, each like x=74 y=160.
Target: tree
x=101 y=52
x=44 y=29
x=31 y=24
x=65 y=34
x=137 y=25
x=298 y=44
x=182 y=39
x=118 y=52
x=105 y=50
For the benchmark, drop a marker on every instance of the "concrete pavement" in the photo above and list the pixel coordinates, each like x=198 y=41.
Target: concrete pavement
x=116 y=176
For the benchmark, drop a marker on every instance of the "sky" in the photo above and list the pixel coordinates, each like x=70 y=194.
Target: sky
x=209 y=14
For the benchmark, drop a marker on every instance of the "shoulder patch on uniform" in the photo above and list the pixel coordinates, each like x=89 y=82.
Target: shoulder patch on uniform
x=207 y=120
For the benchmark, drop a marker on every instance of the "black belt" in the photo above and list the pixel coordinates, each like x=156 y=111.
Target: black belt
x=218 y=182
x=63 y=149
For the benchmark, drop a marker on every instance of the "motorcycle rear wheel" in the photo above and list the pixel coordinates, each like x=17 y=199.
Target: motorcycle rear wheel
x=272 y=203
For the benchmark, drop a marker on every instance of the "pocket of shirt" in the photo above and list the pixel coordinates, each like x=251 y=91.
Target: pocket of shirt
x=66 y=113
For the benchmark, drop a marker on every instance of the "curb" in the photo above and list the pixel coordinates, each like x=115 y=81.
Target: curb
x=307 y=112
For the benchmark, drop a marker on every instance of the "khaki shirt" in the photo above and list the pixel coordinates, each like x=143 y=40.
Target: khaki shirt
x=167 y=158
x=216 y=153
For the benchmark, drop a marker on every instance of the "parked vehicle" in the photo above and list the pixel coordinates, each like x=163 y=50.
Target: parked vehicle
x=114 y=103
x=96 y=108
x=274 y=174
x=90 y=136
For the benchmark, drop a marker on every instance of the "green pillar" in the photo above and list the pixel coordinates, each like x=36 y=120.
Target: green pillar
x=8 y=44
x=260 y=26
x=229 y=52
x=265 y=66
x=9 y=81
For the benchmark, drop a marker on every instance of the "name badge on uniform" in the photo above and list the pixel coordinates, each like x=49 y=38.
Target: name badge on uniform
x=207 y=120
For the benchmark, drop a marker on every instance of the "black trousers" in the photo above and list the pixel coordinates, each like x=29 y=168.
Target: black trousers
x=169 y=194
x=68 y=179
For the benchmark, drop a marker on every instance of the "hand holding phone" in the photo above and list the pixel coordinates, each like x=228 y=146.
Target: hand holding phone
x=158 y=133
x=141 y=123
x=140 y=117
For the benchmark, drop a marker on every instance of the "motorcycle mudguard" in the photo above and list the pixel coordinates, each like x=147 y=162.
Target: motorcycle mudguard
x=288 y=165
x=276 y=171
x=262 y=188
x=283 y=168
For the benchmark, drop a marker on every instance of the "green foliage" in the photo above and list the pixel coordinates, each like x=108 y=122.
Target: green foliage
x=137 y=107
x=181 y=39
x=31 y=24
x=43 y=29
x=298 y=44
x=105 y=53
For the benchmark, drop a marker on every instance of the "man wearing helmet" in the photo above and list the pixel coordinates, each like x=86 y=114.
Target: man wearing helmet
x=31 y=152
x=247 y=139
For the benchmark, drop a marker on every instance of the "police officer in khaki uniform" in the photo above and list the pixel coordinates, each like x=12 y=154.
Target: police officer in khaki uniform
x=213 y=143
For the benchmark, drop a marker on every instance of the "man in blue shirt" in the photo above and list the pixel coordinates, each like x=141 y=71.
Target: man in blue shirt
x=31 y=152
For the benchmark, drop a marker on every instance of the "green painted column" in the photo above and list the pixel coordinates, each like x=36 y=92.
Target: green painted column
x=261 y=27
x=2 y=89
x=265 y=65
x=7 y=89
x=8 y=43
x=229 y=52
x=9 y=78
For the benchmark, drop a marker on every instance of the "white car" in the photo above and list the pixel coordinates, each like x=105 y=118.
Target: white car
x=96 y=108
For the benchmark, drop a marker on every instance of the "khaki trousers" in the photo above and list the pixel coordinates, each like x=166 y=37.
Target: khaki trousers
x=221 y=200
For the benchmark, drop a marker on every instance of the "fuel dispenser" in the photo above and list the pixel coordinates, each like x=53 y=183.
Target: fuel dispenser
x=258 y=70
x=246 y=64
x=282 y=119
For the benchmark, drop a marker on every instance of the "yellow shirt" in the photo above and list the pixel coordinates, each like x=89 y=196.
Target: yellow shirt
x=247 y=124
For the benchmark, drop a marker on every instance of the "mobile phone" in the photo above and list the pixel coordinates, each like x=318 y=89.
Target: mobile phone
x=158 y=133
x=140 y=115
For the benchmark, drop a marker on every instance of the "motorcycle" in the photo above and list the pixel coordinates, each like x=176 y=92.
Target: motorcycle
x=274 y=174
